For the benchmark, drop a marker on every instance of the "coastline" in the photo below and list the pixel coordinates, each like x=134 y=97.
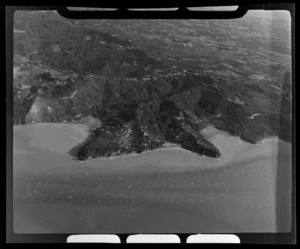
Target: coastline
x=165 y=147
x=171 y=180
x=60 y=139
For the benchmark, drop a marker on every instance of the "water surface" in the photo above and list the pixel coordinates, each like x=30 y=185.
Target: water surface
x=169 y=190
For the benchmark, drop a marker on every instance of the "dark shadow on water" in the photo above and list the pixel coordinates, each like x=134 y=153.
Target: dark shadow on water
x=284 y=173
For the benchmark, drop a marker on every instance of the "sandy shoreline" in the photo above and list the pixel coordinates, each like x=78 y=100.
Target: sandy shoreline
x=59 y=138
x=169 y=188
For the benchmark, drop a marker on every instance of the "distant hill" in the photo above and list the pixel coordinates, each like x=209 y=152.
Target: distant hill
x=146 y=90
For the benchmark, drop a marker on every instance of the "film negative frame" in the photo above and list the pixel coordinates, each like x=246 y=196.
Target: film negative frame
x=123 y=13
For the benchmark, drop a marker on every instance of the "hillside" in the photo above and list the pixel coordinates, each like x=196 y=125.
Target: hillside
x=148 y=82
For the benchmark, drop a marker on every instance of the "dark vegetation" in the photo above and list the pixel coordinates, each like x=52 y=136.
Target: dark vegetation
x=141 y=89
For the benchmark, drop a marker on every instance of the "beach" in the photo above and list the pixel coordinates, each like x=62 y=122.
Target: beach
x=165 y=190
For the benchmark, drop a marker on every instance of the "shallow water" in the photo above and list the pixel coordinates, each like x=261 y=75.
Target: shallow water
x=167 y=190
